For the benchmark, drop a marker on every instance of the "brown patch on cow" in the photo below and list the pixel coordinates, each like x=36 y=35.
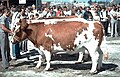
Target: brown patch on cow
x=85 y=25
x=48 y=42
x=98 y=32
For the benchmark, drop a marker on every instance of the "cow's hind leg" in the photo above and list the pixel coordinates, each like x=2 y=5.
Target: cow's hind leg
x=48 y=58
x=100 y=58
x=94 y=56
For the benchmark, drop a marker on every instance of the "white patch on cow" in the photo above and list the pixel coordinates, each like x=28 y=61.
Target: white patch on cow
x=57 y=47
x=49 y=35
x=80 y=38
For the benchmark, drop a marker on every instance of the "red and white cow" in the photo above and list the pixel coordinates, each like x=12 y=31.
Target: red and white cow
x=71 y=35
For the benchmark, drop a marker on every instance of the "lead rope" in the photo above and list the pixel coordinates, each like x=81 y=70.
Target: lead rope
x=13 y=36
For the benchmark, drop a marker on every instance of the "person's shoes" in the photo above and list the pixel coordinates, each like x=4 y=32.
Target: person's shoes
x=5 y=67
x=18 y=57
x=113 y=36
x=14 y=58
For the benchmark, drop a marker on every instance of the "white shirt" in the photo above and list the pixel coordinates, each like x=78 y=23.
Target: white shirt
x=103 y=15
x=113 y=13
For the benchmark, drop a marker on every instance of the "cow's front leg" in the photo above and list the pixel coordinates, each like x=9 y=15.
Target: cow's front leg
x=39 y=62
x=48 y=58
x=40 y=58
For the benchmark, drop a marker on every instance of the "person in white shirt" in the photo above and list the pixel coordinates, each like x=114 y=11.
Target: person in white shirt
x=67 y=12
x=114 y=22
x=45 y=12
x=96 y=17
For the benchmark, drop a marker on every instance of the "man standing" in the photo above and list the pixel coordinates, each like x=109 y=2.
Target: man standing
x=114 y=22
x=87 y=14
x=14 y=48
x=104 y=19
x=4 y=41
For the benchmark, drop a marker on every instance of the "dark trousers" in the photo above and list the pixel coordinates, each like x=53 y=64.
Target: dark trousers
x=105 y=25
x=118 y=27
x=23 y=45
x=16 y=50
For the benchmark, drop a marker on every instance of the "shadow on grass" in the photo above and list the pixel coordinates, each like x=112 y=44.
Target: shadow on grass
x=65 y=57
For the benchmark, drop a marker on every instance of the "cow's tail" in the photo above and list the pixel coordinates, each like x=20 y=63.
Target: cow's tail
x=101 y=36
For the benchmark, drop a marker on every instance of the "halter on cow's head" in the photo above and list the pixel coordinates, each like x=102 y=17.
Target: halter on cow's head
x=19 y=32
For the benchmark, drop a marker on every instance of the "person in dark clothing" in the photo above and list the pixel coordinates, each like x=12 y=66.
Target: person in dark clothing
x=104 y=19
x=87 y=14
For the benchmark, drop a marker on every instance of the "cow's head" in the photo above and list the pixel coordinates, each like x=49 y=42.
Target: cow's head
x=19 y=32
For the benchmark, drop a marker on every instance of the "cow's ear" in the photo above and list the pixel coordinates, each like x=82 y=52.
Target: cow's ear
x=24 y=24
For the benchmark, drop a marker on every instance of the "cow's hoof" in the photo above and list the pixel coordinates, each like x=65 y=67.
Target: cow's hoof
x=78 y=62
x=50 y=69
x=93 y=72
x=101 y=69
x=37 y=67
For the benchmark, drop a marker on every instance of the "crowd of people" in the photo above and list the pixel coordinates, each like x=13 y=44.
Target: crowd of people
x=108 y=16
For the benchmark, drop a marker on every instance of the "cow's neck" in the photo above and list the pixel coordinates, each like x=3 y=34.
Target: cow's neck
x=32 y=32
